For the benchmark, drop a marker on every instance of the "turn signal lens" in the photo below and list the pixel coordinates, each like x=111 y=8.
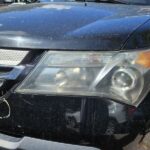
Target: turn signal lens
x=144 y=59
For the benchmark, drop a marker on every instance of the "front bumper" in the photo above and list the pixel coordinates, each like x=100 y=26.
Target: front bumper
x=68 y=119
x=28 y=143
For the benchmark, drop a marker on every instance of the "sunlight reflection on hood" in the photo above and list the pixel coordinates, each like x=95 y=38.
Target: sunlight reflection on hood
x=57 y=7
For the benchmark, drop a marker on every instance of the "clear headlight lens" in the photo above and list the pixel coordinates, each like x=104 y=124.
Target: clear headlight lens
x=122 y=76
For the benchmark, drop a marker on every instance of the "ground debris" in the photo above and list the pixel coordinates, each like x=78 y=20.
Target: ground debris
x=144 y=145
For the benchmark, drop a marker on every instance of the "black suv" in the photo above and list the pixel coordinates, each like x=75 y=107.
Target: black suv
x=75 y=72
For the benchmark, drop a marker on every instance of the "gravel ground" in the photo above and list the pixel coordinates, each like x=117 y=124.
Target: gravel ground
x=144 y=145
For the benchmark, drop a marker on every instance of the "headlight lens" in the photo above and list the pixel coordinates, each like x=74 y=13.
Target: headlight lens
x=123 y=76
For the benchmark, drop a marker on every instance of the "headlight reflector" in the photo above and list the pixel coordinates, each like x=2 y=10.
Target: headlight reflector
x=116 y=75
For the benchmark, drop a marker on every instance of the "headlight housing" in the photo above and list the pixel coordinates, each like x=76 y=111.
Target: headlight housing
x=122 y=76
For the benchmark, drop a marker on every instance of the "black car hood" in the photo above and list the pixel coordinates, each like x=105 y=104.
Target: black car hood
x=70 y=26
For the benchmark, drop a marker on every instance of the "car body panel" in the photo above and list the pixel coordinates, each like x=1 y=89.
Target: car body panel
x=69 y=26
x=140 y=39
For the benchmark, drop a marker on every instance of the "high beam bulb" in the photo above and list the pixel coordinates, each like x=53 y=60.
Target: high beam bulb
x=124 y=78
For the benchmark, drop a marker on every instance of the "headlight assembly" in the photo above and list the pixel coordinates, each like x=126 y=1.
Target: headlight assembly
x=122 y=76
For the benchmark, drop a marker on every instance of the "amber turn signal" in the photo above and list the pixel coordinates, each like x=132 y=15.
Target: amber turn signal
x=144 y=59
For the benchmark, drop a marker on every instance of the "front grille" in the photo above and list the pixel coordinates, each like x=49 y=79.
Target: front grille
x=10 y=68
x=11 y=57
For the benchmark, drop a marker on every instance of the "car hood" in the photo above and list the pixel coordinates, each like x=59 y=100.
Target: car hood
x=70 y=26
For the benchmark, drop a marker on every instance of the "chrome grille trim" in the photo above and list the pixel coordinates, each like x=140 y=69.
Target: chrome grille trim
x=12 y=57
